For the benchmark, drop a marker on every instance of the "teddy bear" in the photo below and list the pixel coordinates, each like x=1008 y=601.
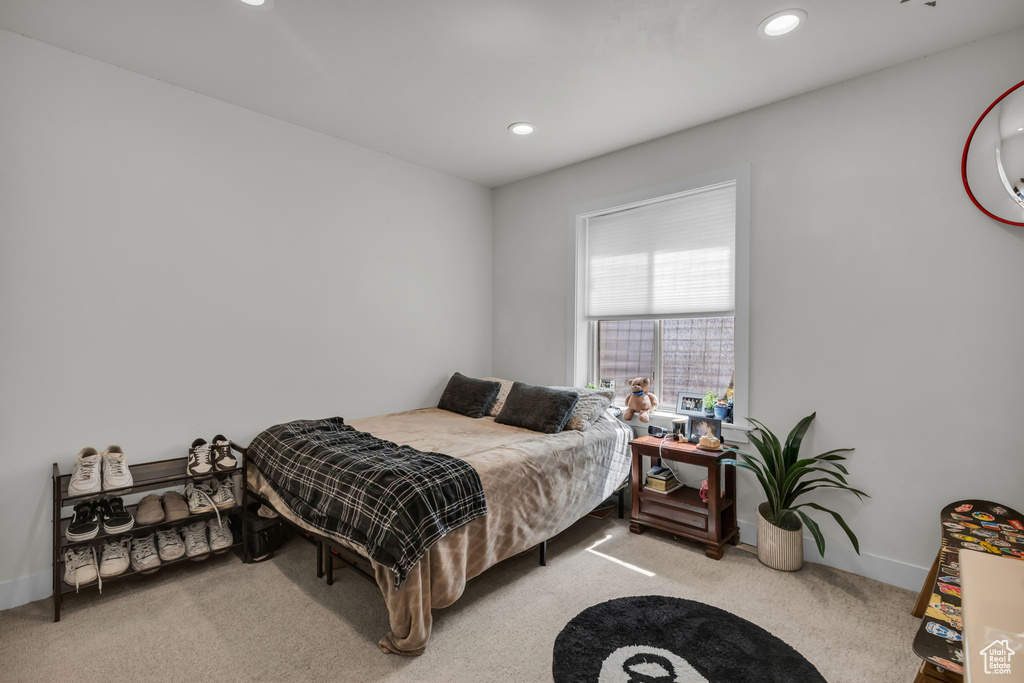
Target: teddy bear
x=640 y=401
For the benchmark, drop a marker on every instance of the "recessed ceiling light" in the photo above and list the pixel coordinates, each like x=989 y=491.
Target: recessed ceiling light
x=781 y=23
x=254 y=2
x=522 y=128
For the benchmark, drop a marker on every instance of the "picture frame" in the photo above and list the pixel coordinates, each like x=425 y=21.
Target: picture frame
x=606 y=384
x=690 y=404
x=699 y=426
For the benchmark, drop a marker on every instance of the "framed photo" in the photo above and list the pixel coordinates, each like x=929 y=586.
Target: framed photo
x=701 y=426
x=606 y=384
x=690 y=404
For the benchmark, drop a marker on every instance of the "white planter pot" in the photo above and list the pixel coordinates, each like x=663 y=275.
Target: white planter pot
x=779 y=548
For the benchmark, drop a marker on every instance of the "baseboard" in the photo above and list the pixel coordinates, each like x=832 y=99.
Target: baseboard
x=874 y=567
x=26 y=589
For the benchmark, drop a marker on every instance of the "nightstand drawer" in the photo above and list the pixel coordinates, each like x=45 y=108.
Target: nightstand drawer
x=650 y=505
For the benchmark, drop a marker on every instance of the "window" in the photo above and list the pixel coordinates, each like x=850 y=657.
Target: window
x=660 y=289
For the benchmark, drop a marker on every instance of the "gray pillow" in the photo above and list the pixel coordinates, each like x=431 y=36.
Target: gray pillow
x=590 y=407
x=468 y=396
x=540 y=409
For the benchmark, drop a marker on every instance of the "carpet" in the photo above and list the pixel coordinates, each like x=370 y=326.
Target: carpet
x=659 y=639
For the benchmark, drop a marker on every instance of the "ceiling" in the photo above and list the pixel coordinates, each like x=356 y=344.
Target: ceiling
x=438 y=82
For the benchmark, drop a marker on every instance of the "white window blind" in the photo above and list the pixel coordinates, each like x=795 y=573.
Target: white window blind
x=672 y=258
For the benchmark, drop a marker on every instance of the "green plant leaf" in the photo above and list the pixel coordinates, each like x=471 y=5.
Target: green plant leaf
x=857 y=492
x=839 y=519
x=815 y=531
x=770 y=490
x=765 y=450
x=792 y=450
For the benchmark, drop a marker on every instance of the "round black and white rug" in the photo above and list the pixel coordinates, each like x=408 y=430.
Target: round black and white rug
x=658 y=639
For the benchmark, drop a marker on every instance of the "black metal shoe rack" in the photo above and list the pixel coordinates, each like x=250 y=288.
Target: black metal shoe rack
x=149 y=476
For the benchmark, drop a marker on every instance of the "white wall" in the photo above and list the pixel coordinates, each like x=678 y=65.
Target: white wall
x=880 y=297
x=172 y=266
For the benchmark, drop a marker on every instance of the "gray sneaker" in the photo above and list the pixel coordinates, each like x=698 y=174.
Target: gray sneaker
x=169 y=545
x=80 y=566
x=144 y=556
x=114 y=559
x=194 y=536
x=221 y=537
x=224 y=496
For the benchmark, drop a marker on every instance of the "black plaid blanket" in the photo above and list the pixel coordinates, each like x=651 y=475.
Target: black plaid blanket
x=394 y=501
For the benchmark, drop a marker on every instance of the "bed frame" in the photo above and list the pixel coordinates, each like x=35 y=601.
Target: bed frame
x=324 y=561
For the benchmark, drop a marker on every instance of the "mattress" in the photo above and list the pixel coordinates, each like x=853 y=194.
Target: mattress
x=536 y=485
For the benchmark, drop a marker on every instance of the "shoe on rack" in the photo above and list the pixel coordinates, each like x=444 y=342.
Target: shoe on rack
x=80 y=566
x=200 y=498
x=85 y=524
x=221 y=537
x=175 y=506
x=149 y=510
x=223 y=458
x=85 y=477
x=194 y=536
x=116 y=474
x=224 y=496
x=113 y=516
x=199 y=459
x=169 y=544
x=144 y=557
x=114 y=556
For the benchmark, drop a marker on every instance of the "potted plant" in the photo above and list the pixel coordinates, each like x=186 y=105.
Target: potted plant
x=721 y=410
x=709 y=403
x=783 y=475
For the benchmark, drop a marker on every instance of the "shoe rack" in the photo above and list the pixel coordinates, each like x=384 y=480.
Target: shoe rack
x=149 y=476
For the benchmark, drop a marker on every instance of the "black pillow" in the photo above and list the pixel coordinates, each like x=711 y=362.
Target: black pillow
x=540 y=409
x=468 y=396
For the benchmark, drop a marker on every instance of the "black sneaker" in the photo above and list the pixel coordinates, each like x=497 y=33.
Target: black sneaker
x=199 y=462
x=115 y=519
x=85 y=524
x=223 y=458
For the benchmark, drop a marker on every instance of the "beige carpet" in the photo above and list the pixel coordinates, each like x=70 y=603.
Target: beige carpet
x=221 y=620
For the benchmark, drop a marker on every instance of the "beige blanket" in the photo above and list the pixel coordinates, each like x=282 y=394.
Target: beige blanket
x=536 y=486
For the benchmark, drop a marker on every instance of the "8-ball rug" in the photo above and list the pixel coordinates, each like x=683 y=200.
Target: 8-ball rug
x=658 y=639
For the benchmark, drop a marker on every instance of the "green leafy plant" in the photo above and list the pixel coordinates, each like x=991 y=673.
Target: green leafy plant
x=710 y=400
x=783 y=476
x=591 y=386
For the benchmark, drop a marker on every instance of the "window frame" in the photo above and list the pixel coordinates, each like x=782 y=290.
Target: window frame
x=581 y=354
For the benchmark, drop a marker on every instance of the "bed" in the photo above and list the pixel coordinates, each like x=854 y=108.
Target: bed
x=536 y=486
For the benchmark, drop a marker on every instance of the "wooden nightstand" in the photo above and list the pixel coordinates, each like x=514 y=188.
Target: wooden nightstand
x=682 y=512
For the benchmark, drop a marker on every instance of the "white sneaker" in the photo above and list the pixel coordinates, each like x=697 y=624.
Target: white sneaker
x=114 y=556
x=116 y=474
x=224 y=496
x=145 y=559
x=221 y=537
x=85 y=477
x=80 y=566
x=199 y=497
x=169 y=544
x=194 y=536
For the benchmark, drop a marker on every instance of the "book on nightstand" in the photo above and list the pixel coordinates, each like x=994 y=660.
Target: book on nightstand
x=661 y=479
x=675 y=485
